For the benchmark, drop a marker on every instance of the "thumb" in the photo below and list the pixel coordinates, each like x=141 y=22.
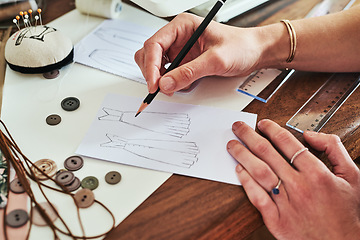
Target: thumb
x=184 y=75
x=343 y=165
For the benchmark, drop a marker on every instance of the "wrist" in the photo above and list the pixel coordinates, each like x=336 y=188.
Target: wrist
x=274 y=43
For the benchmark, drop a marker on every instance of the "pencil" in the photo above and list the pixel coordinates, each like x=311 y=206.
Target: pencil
x=184 y=51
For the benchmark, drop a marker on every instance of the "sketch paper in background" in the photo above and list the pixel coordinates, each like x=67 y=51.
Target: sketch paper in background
x=111 y=48
x=171 y=137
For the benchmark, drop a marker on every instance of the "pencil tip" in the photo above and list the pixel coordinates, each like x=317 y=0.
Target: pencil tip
x=141 y=108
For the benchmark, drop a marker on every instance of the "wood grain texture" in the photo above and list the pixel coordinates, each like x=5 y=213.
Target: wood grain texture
x=190 y=208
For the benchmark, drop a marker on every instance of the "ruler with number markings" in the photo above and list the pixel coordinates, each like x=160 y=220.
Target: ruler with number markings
x=325 y=102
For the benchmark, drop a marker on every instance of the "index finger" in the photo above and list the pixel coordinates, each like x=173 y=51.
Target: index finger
x=168 y=39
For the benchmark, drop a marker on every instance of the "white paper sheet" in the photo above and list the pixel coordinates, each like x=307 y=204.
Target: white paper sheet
x=111 y=48
x=172 y=137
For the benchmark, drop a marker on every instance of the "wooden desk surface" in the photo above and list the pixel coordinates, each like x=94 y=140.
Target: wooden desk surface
x=190 y=208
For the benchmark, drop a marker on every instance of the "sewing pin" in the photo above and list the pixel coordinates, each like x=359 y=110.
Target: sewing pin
x=30 y=13
x=28 y=24
x=15 y=21
x=39 y=11
x=36 y=19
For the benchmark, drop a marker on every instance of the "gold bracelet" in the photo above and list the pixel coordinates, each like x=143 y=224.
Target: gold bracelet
x=293 y=42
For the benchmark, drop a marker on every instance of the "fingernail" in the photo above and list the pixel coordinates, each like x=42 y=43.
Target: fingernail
x=236 y=125
x=239 y=168
x=229 y=144
x=260 y=124
x=168 y=84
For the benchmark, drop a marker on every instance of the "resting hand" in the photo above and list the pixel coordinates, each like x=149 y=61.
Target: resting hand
x=220 y=50
x=313 y=202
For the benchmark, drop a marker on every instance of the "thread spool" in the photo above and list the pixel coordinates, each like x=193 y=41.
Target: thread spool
x=100 y=8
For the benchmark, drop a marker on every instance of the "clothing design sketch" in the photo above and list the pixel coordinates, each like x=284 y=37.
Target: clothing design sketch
x=119 y=36
x=120 y=62
x=171 y=124
x=176 y=153
x=120 y=59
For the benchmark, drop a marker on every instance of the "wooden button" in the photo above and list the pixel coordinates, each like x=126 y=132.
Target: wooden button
x=17 y=218
x=84 y=198
x=65 y=178
x=53 y=119
x=46 y=166
x=74 y=163
x=74 y=185
x=90 y=182
x=37 y=219
x=113 y=177
x=16 y=186
x=52 y=74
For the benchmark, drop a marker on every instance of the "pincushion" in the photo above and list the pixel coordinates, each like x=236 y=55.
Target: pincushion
x=38 y=49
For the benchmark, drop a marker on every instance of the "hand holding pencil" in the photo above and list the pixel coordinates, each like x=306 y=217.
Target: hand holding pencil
x=184 y=51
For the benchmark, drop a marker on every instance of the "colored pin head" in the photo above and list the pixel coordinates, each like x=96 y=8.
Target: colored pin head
x=39 y=12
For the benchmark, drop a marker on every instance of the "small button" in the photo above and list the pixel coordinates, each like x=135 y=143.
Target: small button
x=47 y=166
x=16 y=186
x=70 y=103
x=90 y=182
x=74 y=163
x=37 y=219
x=84 y=198
x=74 y=185
x=53 y=119
x=52 y=74
x=113 y=177
x=60 y=171
x=17 y=218
x=65 y=178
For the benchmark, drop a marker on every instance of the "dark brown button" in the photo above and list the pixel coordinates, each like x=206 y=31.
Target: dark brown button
x=70 y=103
x=74 y=163
x=37 y=219
x=113 y=177
x=65 y=178
x=52 y=74
x=46 y=166
x=74 y=185
x=84 y=198
x=17 y=218
x=90 y=182
x=53 y=119
x=16 y=186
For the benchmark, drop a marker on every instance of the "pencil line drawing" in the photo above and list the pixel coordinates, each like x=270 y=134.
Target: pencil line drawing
x=120 y=62
x=118 y=36
x=171 y=124
x=176 y=153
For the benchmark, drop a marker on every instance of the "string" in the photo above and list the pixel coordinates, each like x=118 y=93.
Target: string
x=25 y=168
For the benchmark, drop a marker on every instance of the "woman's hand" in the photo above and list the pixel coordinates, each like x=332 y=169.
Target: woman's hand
x=220 y=50
x=313 y=202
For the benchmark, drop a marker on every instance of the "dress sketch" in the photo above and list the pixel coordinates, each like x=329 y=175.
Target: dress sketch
x=176 y=153
x=120 y=62
x=117 y=36
x=120 y=58
x=171 y=124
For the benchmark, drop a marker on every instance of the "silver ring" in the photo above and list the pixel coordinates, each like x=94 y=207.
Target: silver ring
x=276 y=190
x=297 y=154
